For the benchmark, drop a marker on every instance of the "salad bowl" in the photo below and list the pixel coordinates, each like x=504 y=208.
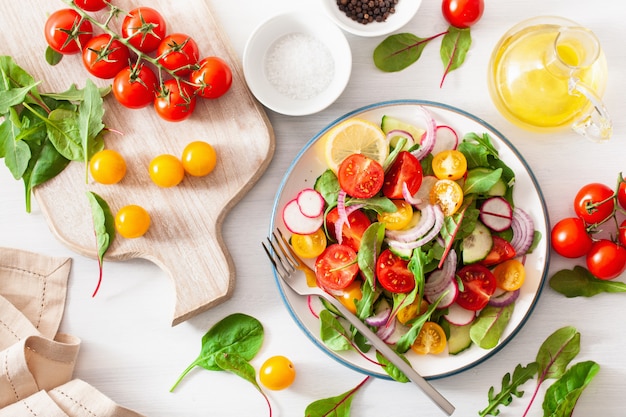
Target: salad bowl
x=310 y=163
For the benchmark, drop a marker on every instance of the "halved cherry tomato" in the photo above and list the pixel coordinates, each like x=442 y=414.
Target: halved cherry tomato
x=104 y=57
x=479 y=284
x=569 y=237
x=348 y=295
x=431 y=339
x=449 y=164
x=393 y=273
x=336 y=267
x=309 y=246
x=500 y=251
x=448 y=194
x=360 y=176
x=594 y=203
x=411 y=311
x=400 y=218
x=405 y=169
x=66 y=32
x=606 y=259
x=510 y=275
x=145 y=28
x=350 y=234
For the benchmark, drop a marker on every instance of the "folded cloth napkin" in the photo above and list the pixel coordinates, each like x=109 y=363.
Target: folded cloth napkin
x=37 y=362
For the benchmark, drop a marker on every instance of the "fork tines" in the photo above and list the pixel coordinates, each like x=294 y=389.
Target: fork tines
x=284 y=264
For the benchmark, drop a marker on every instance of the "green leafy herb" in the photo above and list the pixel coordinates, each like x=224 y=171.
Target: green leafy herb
x=487 y=329
x=454 y=46
x=333 y=334
x=338 y=406
x=510 y=387
x=481 y=181
x=391 y=369
x=561 y=397
x=579 y=282
x=104 y=229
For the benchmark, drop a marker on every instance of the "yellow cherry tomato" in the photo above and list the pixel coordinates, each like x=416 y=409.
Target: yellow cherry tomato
x=277 y=373
x=166 y=170
x=448 y=194
x=399 y=219
x=309 y=246
x=348 y=295
x=132 y=221
x=107 y=167
x=199 y=158
x=449 y=164
x=431 y=339
x=510 y=275
x=411 y=311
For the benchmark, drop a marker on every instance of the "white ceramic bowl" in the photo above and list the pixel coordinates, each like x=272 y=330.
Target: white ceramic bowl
x=282 y=67
x=405 y=11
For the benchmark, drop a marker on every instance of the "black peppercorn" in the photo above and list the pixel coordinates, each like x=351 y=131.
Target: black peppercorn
x=367 y=11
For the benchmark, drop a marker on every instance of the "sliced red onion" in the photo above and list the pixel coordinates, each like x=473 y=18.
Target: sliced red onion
x=344 y=213
x=385 y=332
x=439 y=279
x=523 y=231
x=408 y=197
x=428 y=140
x=379 y=319
x=425 y=223
x=504 y=299
x=434 y=231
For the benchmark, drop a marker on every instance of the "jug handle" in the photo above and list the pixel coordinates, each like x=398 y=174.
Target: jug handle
x=597 y=125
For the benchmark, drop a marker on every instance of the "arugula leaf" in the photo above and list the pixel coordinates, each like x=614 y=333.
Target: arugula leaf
x=90 y=113
x=579 y=282
x=509 y=388
x=406 y=340
x=561 y=397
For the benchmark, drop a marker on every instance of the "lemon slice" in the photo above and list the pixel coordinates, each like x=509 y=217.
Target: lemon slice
x=355 y=135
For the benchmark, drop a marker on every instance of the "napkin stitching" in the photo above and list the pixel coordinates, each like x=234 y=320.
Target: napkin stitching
x=9 y=329
x=8 y=375
x=75 y=401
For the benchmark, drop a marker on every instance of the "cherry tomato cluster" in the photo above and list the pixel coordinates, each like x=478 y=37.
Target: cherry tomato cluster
x=148 y=65
x=597 y=207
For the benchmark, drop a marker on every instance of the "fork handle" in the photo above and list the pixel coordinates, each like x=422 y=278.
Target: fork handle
x=394 y=358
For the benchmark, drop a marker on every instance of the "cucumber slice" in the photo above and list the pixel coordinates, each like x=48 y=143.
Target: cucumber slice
x=390 y=123
x=459 y=339
x=402 y=253
x=477 y=245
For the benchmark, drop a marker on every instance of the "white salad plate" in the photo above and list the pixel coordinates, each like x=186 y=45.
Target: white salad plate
x=310 y=163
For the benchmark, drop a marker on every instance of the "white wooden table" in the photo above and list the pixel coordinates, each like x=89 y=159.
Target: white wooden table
x=130 y=352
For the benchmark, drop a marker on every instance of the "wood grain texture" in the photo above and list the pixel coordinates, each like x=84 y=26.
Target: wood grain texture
x=185 y=237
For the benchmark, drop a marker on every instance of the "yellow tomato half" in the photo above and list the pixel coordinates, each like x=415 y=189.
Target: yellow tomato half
x=510 y=275
x=448 y=194
x=449 y=164
x=349 y=294
x=309 y=246
x=399 y=219
x=431 y=339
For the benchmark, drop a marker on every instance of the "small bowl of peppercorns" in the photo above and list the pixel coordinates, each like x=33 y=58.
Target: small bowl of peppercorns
x=371 y=17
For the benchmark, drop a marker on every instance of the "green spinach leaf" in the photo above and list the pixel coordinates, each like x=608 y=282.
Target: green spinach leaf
x=399 y=51
x=561 y=397
x=338 y=406
x=579 y=282
x=489 y=325
x=454 y=46
x=332 y=333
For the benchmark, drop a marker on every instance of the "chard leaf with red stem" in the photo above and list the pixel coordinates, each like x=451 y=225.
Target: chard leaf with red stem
x=454 y=47
x=104 y=229
x=338 y=406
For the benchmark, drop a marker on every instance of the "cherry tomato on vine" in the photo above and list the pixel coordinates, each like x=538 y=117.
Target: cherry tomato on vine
x=135 y=87
x=594 y=203
x=132 y=221
x=107 y=167
x=570 y=239
x=144 y=28
x=179 y=53
x=199 y=158
x=606 y=259
x=66 y=32
x=462 y=13
x=393 y=273
x=622 y=233
x=406 y=169
x=91 y=5
x=175 y=102
x=336 y=267
x=621 y=194
x=360 y=176
x=277 y=373
x=479 y=284
x=166 y=170
x=104 y=57
x=213 y=77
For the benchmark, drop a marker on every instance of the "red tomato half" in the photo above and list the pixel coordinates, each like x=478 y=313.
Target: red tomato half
x=569 y=238
x=178 y=53
x=66 y=33
x=350 y=234
x=479 y=284
x=393 y=273
x=104 y=58
x=405 y=169
x=360 y=176
x=594 y=203
x=213 y=78
x=500 y=251
x=135 y=87
x=462 y=13
x=336 y=267
x=606 y=259
x=144 y=28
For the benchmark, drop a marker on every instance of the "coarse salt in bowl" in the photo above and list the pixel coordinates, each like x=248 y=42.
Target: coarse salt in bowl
x=297 y=63
x=405 y=10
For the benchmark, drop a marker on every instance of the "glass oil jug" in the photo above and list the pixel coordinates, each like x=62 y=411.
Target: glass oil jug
x=548 y=73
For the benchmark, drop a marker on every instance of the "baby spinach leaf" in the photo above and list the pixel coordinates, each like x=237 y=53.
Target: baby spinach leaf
x=90 y=113
x=104 y=229
x=561 y=397
x=338 y=406
x=236 y=364
x=16 y=153
x=64 y=133
x=579 y=282
x=480 y=182
x=489 y=325
x=509 y=388
x=399 y=51
x=327 y=185
x=454 y=46
x=45 y=163
x=235 y=334
x=557 y=351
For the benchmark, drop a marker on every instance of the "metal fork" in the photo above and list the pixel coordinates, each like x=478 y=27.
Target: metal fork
x=286 y=264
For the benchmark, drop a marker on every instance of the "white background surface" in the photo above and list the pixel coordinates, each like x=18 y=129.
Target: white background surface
x=130 y=352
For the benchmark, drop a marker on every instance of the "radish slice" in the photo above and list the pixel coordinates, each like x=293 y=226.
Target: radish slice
x=496 y=214
x=459 y=316
x=504 y=299
x=523 y=231
x=397 y=331
x=428 y=140
x=451 y=291
x=423 y=193
x=446 y=138
x=310 y=202
x=297 y=222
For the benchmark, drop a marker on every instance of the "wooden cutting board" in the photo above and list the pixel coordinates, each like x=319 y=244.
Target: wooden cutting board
x=185 y=237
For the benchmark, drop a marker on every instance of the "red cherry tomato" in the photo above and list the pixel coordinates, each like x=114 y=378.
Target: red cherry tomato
x=479 y=284
x=179 y=53
x=360 y=176
x=66 y=32
x=594 y=203
x=622 y=233
x=621 y=194
x=104 y=58
x=606 y=259
x=393 y=273
x=175 y=102
x=144 y=28
x=135 y=87
x=91 y=5
x=500 y=251
x=405 y=169
x=336 y=267
x=350 y=234
x=570 y=239
x=462 y=13
x=213 y=77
